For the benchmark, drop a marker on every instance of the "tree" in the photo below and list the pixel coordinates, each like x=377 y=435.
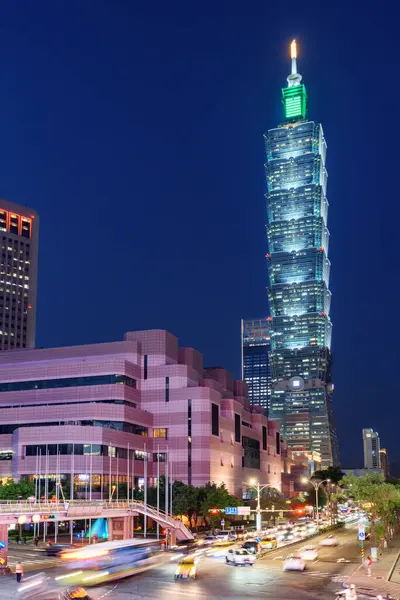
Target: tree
x=189 y=500
x=215 y=497
x=185 y=501
x=13 y=491
x=381 y=499
x=334 y=474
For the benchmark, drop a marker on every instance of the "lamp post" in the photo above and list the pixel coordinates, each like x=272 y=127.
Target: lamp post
x=259 y=488
x=316 y=485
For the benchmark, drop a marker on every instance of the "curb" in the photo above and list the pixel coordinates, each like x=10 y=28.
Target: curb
x=393 y=568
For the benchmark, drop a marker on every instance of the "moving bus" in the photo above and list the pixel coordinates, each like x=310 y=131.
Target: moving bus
x=98 y=563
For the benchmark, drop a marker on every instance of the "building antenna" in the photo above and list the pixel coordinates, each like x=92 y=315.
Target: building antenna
x=293 y=56
x=294 y=77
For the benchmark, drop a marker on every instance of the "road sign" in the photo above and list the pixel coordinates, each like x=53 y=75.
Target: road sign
x=231 y=510
x=243 y=510
x=2 y=544
x=237 y=510
x=361 y=532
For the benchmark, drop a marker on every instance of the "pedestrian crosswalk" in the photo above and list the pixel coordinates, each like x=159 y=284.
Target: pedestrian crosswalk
x=29 y=560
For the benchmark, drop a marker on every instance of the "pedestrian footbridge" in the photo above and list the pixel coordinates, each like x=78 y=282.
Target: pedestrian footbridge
x=11 y=511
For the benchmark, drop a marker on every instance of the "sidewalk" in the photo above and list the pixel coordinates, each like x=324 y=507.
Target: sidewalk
x=381 y=581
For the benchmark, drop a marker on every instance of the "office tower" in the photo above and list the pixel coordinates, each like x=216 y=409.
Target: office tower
x=19 y=235
x=256 y=370
x=372 y=448
x=298 y=266
x=384 y=462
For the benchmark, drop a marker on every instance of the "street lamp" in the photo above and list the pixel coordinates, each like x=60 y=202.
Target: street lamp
x=316 y=485
x=259 y=488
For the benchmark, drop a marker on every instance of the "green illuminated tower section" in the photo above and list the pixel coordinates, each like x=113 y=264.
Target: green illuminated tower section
x=299 y=270
x=294 y=95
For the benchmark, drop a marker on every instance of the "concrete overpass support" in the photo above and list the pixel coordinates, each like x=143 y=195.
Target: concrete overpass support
x=120 y=528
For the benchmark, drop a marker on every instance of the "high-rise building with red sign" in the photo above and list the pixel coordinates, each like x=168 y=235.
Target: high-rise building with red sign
x=19 y=234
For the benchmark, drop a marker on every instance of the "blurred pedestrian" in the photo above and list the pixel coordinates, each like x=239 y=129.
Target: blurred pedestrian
x=368 y=565
x=17 y=538
x=19 y=572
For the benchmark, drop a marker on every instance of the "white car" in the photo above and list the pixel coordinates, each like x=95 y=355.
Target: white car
x=240 y=556
x=294 y=563
x=222 y=537
x=309 y=553
x=331 y=540
x=300 y=532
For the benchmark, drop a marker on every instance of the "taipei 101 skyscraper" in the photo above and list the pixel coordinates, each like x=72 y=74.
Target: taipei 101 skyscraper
x=298 y=267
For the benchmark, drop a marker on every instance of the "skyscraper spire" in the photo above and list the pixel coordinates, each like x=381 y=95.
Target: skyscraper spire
x=293 y=55
x=294 y=78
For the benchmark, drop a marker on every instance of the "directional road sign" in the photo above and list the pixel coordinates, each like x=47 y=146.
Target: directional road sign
x=361 y=532
x=2 y=544
x=237 y=510
x=231 y=510
x=243 y=510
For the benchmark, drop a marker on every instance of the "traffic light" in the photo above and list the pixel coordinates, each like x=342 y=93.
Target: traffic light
x=299 y=511
x=214 y=511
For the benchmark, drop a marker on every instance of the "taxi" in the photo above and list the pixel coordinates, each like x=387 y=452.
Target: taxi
x=187 y=568
x=77 y=593
x=268 y=542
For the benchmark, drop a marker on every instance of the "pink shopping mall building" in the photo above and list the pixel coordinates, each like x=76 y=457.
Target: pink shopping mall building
x=108 y=413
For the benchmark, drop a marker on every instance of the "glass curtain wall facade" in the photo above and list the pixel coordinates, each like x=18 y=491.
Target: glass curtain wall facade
x=299 y=268
x=256 y=370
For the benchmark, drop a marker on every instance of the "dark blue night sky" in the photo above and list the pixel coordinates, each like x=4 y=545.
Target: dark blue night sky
x=135 y=129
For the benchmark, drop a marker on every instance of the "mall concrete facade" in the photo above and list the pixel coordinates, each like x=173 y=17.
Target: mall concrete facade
x=109 y=413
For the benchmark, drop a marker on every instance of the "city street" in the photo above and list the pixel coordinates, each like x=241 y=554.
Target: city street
x=266 y=579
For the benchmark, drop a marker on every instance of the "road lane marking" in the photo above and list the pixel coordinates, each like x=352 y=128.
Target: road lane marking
x=109 y=592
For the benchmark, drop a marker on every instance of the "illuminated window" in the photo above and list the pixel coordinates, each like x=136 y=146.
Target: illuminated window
x=160 y=433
